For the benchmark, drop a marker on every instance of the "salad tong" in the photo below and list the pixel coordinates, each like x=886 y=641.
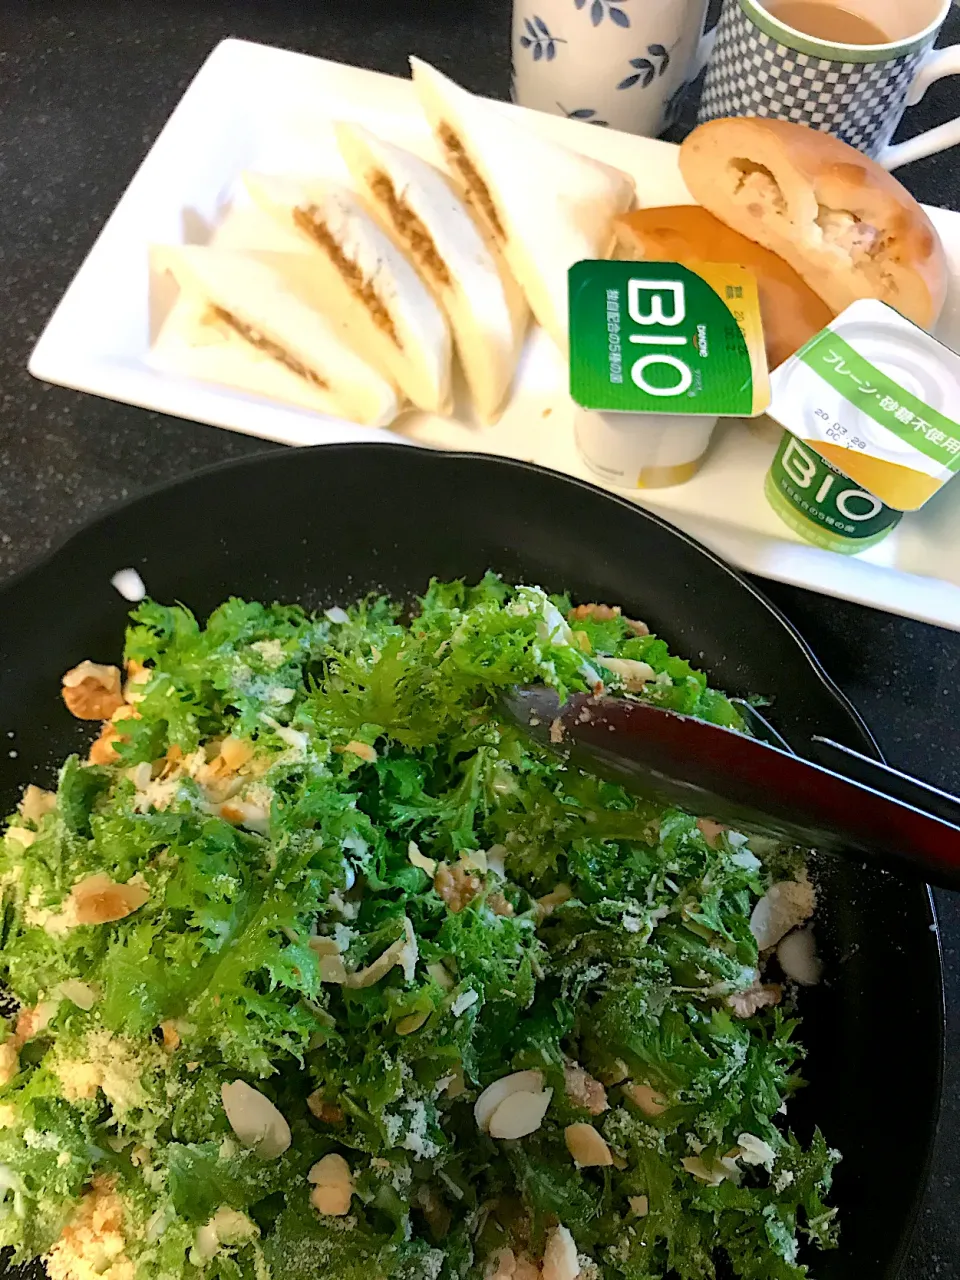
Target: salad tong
x=836 y=799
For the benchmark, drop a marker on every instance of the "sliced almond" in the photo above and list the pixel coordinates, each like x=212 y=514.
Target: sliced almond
x=407 y=1026
x=99 y=900
x=417 y=859
x=36 y=803
x=496 y=1093
x=633 y=674
x=332 y=968
x=171 y=1036
x=586 y=1145
x=30 y=1022
x=83 y=994
x=555 y=898
x=235 y=753
x=639 y=1205
x=255 y=1120
x=243 y=813
x=713 y=1173
x=560 y=1261
x=9 y=1061
x=402 y=952
x=441 y=975
x=646 y=1098
x=784 y=906
x=520 y=1114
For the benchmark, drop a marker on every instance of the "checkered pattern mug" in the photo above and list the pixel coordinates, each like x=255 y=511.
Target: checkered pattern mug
x=761 y=67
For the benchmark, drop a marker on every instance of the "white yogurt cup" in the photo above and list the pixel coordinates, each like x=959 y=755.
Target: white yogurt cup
x=642 y=450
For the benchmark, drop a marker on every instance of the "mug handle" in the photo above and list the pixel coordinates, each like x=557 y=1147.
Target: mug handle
x=705 y=48
x=937 y=64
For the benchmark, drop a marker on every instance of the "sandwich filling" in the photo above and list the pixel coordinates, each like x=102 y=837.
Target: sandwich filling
x=840 y=229
x=269 y=348
x=411 y=229
x=477 y=191
x=757 y=184
x=310 y=220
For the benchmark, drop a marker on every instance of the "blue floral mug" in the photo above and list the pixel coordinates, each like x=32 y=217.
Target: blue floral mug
x=622 y=64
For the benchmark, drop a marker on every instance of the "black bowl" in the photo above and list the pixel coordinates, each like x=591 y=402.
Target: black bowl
x=325 y=525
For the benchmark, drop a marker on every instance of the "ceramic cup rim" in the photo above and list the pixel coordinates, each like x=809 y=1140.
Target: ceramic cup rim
x=834 y=50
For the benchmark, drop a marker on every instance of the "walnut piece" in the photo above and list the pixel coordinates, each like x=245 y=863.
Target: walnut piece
x=499 y=905
x=760 y=996
x=92 y=691
x=583 y=1089
x=456 y=886
x=104 y=749
x=604 y=613
x=325 y=1112
x=332 y=1186
x=171 y=1036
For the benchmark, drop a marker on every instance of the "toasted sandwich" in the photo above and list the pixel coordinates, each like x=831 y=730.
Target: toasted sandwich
x=244 y=319
x=461 y=265
x=366 y=286
x=544 y=204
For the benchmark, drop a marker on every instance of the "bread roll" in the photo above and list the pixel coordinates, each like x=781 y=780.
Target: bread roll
x=792 y=313
x=848 y=228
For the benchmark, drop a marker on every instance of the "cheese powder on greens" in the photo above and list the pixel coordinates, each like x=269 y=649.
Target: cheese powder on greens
x=352 y=887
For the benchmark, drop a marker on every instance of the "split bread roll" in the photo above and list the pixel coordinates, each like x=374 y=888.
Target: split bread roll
x=242 y=320
x=791 y=312
x=416 y=204
x=363 y=283
x=546 y=206
x=847 y=227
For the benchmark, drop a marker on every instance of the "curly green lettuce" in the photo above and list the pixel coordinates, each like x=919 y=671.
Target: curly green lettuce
x=318 y=860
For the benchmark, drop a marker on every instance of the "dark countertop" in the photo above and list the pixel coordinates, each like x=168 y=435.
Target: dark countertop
x=85 y=88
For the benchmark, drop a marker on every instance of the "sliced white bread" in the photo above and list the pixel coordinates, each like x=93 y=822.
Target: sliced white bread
x=366 y=286
x=546 y=205
x=242 y=320
x=420 y=209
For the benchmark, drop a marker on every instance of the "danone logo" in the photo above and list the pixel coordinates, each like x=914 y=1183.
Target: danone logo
x=655 y=337
x=803 y=486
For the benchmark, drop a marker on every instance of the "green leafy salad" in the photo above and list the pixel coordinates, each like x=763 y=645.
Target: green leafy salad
x=322 y=969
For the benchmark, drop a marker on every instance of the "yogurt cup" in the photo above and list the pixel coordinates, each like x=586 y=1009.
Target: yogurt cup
x=823 y=505
x=642 y=450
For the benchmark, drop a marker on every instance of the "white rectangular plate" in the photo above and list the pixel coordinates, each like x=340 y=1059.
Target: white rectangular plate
x=254 y=107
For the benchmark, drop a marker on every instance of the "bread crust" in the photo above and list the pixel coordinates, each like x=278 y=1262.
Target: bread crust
x=846 y=225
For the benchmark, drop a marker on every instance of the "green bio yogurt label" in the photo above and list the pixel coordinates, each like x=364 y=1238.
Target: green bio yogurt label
x=656 y=337
x=823 y=505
